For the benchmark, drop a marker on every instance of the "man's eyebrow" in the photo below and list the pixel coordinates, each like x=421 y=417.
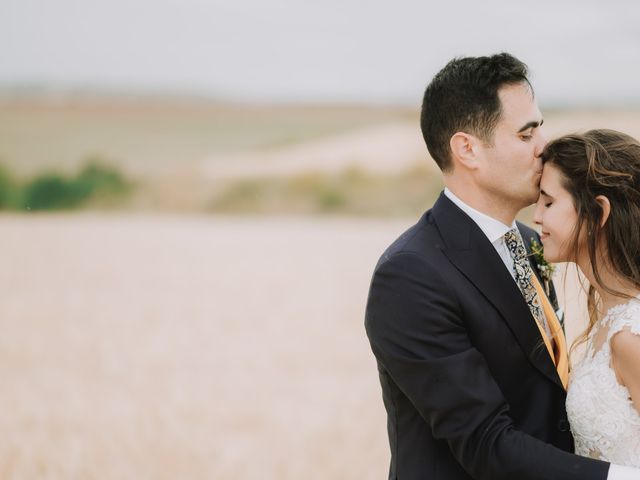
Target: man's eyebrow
x=529 y=125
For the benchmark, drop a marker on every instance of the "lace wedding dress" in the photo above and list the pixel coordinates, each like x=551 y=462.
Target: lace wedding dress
x=604 y=422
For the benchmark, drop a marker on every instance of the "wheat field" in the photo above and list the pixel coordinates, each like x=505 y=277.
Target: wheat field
x=163 y=347
x=188 y=347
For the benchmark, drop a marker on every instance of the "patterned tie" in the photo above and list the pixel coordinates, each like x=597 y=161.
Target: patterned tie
x=523 y=274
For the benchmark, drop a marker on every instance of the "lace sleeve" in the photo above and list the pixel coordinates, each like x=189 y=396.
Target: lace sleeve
x=627 y=319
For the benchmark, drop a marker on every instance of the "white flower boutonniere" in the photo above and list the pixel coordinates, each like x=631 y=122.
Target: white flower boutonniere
x=545 y=268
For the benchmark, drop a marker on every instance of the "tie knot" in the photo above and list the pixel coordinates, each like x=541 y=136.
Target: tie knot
x=512 y=235
x=514 y=243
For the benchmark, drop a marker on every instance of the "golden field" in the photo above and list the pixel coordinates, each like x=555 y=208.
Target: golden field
x=188 y=347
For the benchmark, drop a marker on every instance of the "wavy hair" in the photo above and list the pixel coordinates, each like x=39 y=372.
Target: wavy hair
x=602 y=162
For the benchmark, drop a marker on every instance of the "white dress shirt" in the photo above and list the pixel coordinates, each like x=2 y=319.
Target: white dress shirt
x=494 y=231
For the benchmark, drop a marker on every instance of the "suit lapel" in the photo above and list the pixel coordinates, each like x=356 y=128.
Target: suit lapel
x=469 y=250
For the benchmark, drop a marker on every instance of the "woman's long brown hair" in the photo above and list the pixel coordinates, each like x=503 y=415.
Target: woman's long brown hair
x=602 y=162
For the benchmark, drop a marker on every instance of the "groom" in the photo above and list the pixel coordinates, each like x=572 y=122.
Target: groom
x=471 y=356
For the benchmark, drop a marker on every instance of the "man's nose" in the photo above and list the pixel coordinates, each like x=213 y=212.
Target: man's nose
x=542 y=142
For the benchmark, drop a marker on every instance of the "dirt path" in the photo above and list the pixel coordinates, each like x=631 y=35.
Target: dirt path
x=385 y=148
x=391 y=147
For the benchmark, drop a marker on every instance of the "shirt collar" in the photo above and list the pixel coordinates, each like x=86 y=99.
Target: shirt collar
x=492 y=228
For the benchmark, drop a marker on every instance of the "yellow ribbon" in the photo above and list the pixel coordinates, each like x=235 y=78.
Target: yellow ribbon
x=557 y=345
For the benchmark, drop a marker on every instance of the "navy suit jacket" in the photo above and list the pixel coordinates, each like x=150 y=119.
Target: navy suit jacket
x=468 y=385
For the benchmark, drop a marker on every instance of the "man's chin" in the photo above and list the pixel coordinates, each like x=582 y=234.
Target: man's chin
x=534 y=194
x=531 y=198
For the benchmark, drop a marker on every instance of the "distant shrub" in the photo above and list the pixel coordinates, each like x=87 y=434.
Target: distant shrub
x=353 y=191
x=101 y=183
x=7 y=189
x=331 y=200
x=52 y=191
x=99 y=177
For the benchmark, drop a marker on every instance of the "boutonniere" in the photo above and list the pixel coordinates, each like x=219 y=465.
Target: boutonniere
x=545 y=268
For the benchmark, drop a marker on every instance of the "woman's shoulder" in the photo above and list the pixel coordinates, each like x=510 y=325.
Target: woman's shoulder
x=626 y=342
x=625 y=355
x=625 y=319
x=624 y=329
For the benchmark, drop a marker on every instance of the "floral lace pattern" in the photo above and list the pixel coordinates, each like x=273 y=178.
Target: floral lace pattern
x=604 y=421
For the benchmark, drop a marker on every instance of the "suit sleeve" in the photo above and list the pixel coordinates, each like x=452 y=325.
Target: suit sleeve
x=418 y=334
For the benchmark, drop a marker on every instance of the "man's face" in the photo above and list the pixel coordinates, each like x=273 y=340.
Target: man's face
x=510 y=168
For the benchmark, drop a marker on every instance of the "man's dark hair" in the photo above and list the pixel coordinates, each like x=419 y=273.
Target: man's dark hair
x=463 y=97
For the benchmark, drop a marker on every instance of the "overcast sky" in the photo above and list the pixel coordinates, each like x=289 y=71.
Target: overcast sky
x=580 y=52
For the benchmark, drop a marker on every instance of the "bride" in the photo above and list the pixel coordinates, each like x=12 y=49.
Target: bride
x=589 y=213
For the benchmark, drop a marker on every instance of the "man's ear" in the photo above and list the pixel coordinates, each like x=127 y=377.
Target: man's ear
x=605 y=205
x=464 y=150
